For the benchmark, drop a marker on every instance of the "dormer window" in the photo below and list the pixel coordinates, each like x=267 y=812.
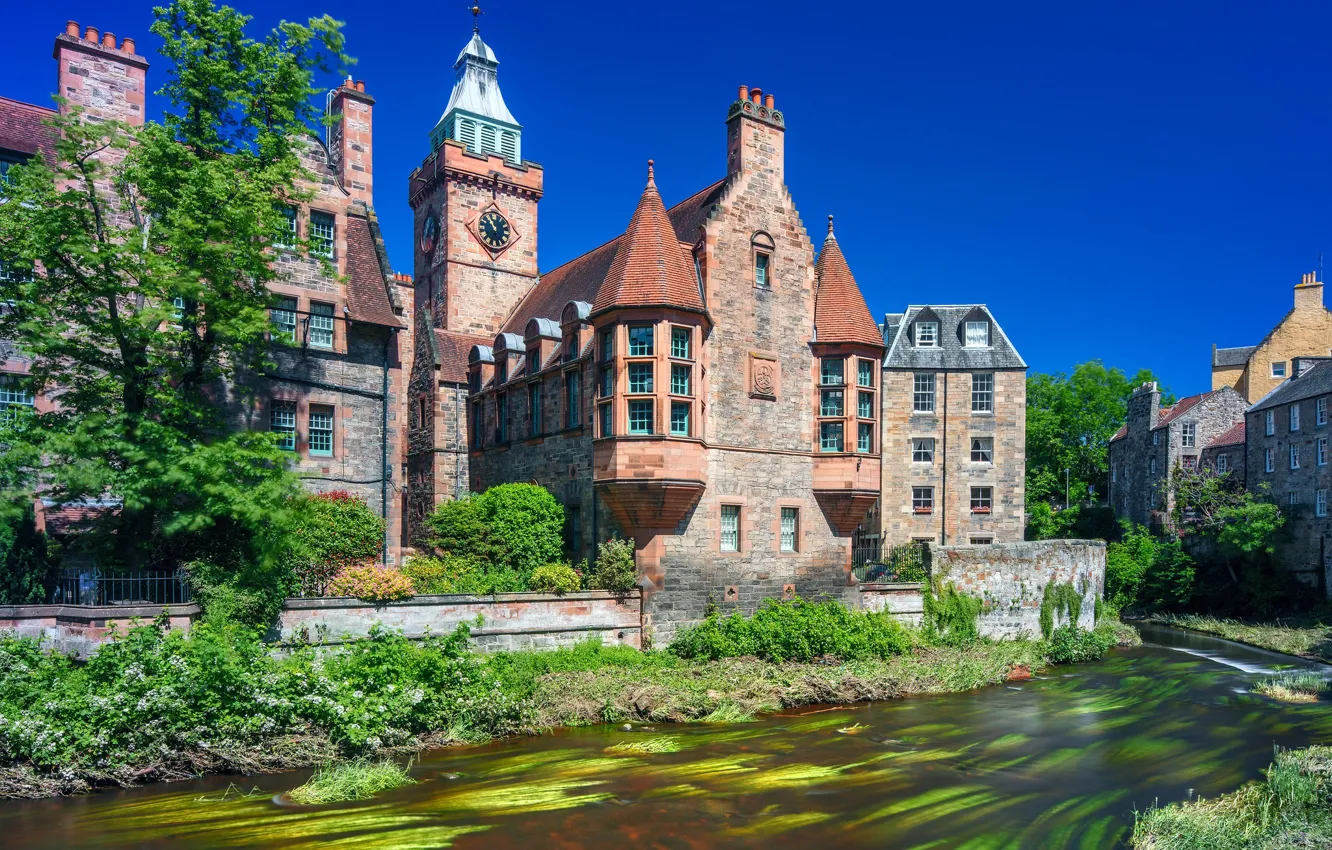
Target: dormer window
x=927 y=334
x=533 y=360
x=978 y=334
x=502 y=369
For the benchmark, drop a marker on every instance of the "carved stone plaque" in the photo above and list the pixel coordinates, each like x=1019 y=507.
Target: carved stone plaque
x=765 y=376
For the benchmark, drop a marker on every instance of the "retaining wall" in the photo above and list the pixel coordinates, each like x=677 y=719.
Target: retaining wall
x=79 y=629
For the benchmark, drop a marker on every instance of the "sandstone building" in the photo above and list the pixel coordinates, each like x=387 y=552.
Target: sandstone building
x=1306 y=331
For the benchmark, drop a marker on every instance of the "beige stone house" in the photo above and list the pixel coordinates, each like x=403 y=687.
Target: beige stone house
x=1306 y=331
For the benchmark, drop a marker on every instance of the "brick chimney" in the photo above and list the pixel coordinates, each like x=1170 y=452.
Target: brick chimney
x=1309 y=293
x=755 y=135
x=350 y=139
x=109 y=81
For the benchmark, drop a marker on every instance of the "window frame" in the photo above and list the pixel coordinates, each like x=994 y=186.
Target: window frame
x=1269 y=421
x=1279 y=369
x=321 y=410
x=1320 y=450
x=1294 y=456
x=982 y=499
x=864 y=437
x=635 y=408
x=320 y=245
x=1188 y=435
x=573 y=389
x=865 y=373
x=286 y=407
x=636 y=383
x=284 y=305
x=1223 y=462
x=920 y=452
x=826 y=376
x=827 y=445
x=676 y=407
x=922 y=500
x=651 y=347
x=933 y=334
x=793 y=512
x=982 y=396
x=988 y=452
x=688 y=333
x=316 y=312
x=1294 y=416
x=966 y=334
x=534 y=403
x=730 y=514
x=1320 y=502
x=921 y=396
x=1269 y=461
x=1320 y=411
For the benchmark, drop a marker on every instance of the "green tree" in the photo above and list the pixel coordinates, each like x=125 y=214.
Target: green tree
x=26 y=568
x=1070 y=420
x=332 y=532
x=150 y=252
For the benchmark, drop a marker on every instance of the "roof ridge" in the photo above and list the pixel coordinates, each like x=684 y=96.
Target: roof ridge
x=47 y=109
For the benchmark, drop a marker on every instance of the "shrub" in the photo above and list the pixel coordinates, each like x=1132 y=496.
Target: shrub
x=1059 y=601
x=371 y=583
x=951 y=617
x=514 y=526
x=461 y=574
x=333 y=531
x=1169 y=582
x=554 y=578
x=1069 y=644
x=615 y=568
x=794 y=631
x=26 y=568
x=459 y=528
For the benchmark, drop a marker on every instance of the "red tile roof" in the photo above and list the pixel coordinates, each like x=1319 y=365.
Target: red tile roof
x=1121 y=433
x=1179 y=408
x=22 y=130
x=580 y=278
x=1234 y=436
x=452 y=350
x=367 y=289
x=840 y=311
x=650 y=265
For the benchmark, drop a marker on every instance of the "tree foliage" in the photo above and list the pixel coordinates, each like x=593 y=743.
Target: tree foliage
x=149 y=249
x=1070 y=420
x=332 y=533
x=26 y=568
x=516 y=527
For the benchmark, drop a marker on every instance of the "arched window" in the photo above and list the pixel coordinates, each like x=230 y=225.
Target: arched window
x=763 y=250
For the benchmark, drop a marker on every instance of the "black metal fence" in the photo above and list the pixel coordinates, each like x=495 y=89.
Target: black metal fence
x=91 y=587
x=874 y=563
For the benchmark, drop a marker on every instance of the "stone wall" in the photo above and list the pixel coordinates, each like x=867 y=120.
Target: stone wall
x=78 y=630
x=508 y=621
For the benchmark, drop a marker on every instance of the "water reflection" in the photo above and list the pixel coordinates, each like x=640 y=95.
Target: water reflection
x=1062 y=760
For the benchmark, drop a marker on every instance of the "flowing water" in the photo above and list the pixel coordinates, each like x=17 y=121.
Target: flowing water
x=1062 y=760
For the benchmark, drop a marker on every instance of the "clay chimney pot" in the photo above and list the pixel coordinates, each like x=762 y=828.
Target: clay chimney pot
x=72 y=28
x=90 y=34
x=360 y=85
x=769 y=101
x=744 y=90
x=109 y=40
x=127 y=45
x=756 y=94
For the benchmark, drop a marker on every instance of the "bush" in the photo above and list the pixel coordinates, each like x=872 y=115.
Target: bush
x=27 y=570
x=333 y=531
x=459 y=528
x=371 y=583
x=951 y=617
x=1168 y=583
x=554 y=578
x=1069 y=644
x=615 y=568
x=461 y=574
x=517 y=527
x=794 y=631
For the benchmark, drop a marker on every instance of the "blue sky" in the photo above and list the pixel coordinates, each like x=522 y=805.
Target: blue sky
x=1127 y=181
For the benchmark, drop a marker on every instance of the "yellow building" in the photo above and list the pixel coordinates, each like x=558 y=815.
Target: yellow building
x=1306 y=331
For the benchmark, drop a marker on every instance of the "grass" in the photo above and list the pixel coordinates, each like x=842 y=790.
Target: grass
x=350 y=780
x=1293 y=687
x=1291 y=808
x=1307 y=636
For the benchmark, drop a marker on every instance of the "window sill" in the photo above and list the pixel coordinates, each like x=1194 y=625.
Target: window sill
x=922 y=511
x=980 y=511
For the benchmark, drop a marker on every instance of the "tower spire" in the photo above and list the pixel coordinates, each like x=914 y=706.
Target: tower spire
x=477 y=115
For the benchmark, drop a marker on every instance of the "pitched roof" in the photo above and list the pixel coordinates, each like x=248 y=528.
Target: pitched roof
x=368 y=298
x=952 y=351
x=580 y=278
x=840 y=312
x=451 y=350
x=1313 y=381
x=1121 y=433
x=22 y=130
x=650 y=266
x=1234 y=436
x=1179 y=408
x=1232 y=356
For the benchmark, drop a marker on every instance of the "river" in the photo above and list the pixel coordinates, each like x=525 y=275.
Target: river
x=1061 y=760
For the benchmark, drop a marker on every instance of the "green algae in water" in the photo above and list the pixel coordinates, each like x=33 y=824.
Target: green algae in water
x=353 y=780
x=645 y=747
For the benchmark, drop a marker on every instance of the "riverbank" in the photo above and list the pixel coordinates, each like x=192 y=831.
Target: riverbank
x=1291 y=808
x=1308 y=636
x=161 y=706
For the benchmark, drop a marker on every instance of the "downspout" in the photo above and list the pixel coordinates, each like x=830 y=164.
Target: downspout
x=389 y=344
x=943 y=496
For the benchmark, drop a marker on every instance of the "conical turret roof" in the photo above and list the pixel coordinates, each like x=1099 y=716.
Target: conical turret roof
x=840 y=312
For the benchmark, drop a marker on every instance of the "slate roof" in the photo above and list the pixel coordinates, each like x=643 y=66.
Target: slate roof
x=1232 y=356
x=951 y=353
x=580 y=278
x=1315 y=381
x=840 y=312
x=368 y=298
x=22 y=130
x=451 y=350
x=1233 y=437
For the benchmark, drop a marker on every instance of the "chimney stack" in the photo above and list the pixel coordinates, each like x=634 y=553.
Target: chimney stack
x=1309 y=292
x=91 y=35
x=755 y=135
x=352 y=137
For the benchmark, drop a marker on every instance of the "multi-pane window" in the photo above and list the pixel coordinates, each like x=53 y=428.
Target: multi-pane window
x=640 y=377
x=1267 y=460
x=1223 y=463
x=607 y=344
x=1189 y=461
x=321 y=429
x=1295 y=416
x=640 y=340
x=680 y=343
x=790 y=520
x=981 y=499
x=978 y=334
x=1188 y=435
x=865 y=373
x=570 y=348
x=922 y=395
x=927 y=334
x=982 y=392
x=1278 y=368
x=1320 y=503
x=606 y=381
x=14 y=399
x=1156 y=438
x=474 y=434
x=680 y=418
x=321 y=234
x=1294 y=498
x=1322 y=451
x=982 y=449
x=282 y=421
x=502 y=418
x=864 y=437
x=1320 y=411
x=1294 y=457
x=922 y=500
x=761 y=261
x=321 y=325
x=1151 y=466
x=831 y=437
x=680 y=379
x=534 y=408
x=830 y=371
x=1271 y=422
x=533 y=360
x=283 y=317
x=572 y=381
x=640 y=416
x=922 y=450
x=831 y=403
x=981 y=541
x=286 y=235
x=730 y=528
x=607 y=415
x=865 y=406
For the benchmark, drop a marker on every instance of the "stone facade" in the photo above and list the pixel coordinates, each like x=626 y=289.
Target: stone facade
x=1306 y=331
x=1155 y=440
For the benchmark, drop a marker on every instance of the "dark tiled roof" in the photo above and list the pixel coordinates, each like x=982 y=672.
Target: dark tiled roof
x=452 y=349
x=367 y=285
x=951 y=352
x=840 y=312
x=580 y=278
x=1316 y=381
x=22 y=130
x=1232 y=356
x=1235 y=436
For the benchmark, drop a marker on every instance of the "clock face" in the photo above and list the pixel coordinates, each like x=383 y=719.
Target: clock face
x=494 y=230
x=429 y=233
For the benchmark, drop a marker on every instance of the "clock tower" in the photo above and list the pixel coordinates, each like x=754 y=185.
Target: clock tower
x=474 y=202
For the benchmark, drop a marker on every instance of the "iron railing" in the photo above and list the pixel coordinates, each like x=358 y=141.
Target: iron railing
x=91 y=587
x=874 y=563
